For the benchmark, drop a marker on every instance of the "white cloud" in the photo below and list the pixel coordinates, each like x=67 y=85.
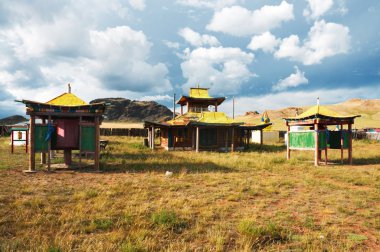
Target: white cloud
x=239 y=21
x=210 y=4
x=317 y=8
x=293 y=80
x=223 y=69
x=137 y=4
x=298 y=98
x=266 y=42
x=171 y=44
x=324 y=40
x=156 y=98
x=196 y=39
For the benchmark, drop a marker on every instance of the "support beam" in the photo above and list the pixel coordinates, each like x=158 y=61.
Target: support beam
x=97 y=144
x=49 y=148
x=67 y=157
x=153 y=136
x=350 y=143
x=341 y=143
x=261 y=137
x=32 y=157
x=316 y=140
x=197 y=140
x=80 y=142
x=43 y=154
x=288 y=144
x=226 y=139
x=12 y=144
x=181 y=109
x=232 y=140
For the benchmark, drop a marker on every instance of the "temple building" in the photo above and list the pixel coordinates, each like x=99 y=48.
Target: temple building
x=202 y=127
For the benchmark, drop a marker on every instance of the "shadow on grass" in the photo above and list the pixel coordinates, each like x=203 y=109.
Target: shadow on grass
x=265 y=148
x=366 y=161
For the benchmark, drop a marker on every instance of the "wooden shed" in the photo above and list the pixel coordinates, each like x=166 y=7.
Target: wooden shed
x=318 y=137
x=68 y=123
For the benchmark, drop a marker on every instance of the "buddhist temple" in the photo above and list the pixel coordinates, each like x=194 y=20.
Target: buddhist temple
x=66 y=123
x=202 y=126
x=317 y=137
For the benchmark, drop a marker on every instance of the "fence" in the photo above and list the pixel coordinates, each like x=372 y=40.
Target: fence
x=123 y=132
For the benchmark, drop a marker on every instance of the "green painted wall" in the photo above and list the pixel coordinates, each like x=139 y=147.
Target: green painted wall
x=88 y=138
x=40 y=132
x=305 y=139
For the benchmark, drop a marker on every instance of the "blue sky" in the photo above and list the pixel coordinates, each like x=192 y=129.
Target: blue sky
x=268 y=54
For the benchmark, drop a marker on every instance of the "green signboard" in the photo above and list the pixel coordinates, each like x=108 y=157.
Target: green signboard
x=306 y=140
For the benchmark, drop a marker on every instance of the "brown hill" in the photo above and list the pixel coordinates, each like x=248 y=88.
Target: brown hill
x=125 y=110
x=12 y=120
x=368 y=109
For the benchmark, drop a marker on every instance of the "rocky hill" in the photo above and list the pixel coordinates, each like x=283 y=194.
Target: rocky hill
x=368 y=109
x=12 y=120
x=121 y=109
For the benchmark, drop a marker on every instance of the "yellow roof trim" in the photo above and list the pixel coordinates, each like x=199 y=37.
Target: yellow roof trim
x=67 y=99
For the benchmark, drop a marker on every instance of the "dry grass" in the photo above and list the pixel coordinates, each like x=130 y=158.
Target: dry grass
x=137 y=125
x=254 y=200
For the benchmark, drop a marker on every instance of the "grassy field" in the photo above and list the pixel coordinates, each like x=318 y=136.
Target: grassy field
x=253 y=200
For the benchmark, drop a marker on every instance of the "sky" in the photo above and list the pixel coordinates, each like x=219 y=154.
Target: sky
x=267 y=54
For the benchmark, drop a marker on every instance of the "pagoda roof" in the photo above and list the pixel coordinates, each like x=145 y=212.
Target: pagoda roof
x=200 y=95
x=320 y=112
x=67 y=99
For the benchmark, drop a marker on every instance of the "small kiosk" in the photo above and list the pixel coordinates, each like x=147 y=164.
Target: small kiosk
x=19 y=136
x=68 y=123
x=318 y=137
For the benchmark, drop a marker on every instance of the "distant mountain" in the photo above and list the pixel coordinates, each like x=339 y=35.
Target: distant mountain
x=12 y=120
x=121 y=109
x=368 y=109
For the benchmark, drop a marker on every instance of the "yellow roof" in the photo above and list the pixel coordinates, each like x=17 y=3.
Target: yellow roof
x=67 y=99
x=199 y=93
x=203 y=117
x=318 y=110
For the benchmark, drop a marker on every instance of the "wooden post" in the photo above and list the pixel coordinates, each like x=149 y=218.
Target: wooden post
x=43 y=154
x=232 y=140
x=350 y=143
x=27 y=141
x=316 y=140
x=197 y=140
x=193 y=138
x=216 y=107
x=97 y=144
x=153 y=135
x=80 y=142
x=288 y=143
x=32 y=157
x=181 y=109
x=341 y=143
x=49 y=147
x=261 y=137
x=12 y=139
x=226 y=138
x=326 y=146
x=67 y=157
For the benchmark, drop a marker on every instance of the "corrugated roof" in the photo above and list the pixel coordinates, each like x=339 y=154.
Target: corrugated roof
x=199 y=93
x=318 y=111
x=67 y=99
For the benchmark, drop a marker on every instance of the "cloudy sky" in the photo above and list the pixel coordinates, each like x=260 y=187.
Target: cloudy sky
x=268 y=54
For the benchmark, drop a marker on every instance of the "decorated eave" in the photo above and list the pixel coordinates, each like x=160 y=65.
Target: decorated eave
x=210 y=100
x=320 y=114
x=40 y=108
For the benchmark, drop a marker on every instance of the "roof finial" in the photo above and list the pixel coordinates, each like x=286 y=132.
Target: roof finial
x=69 y=88
x=318 y=101
x=198 y=85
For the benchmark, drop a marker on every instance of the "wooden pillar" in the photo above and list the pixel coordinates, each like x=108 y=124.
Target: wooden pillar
x=288 y=144
x=97 y=144
x=181 y=109
x=197 y=140
x=350 y=143
x=316 y=140
x=261 y=137
x=32 y=157
x=80 y=141
x=149 y=139
x=67 y=157
x=341 y=143
x=12 y=144
x=153 y=136
x=193 y=139
x=49 y=147
x=27 y=141
x=43 y=154
x=216 y=107
x=233 y=140
x=226 y=139
x=326 y=146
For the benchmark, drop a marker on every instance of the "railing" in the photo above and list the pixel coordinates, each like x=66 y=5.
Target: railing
x=123 y=132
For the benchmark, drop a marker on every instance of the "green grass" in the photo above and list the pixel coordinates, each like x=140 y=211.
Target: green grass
x=242 y=201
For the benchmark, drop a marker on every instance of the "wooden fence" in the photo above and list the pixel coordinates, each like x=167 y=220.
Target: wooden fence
x=123 y=132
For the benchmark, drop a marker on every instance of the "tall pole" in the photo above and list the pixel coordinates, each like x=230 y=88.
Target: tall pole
x=174 y=106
